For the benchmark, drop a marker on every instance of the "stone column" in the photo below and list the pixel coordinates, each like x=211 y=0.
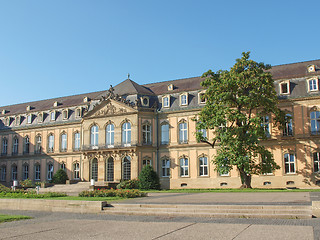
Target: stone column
x=117 y=167
x=134 y=166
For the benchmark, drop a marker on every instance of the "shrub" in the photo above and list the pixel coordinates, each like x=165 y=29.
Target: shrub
x=26 y=183
x=4 y=188
x=148 y=179
x=124 y=193
x=60 y=177
x=129 y=184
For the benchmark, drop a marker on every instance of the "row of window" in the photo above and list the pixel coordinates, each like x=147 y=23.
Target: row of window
x=183 y=99
x=37 y=171
x=38 y=144
x=40 y=117
x=312 y=85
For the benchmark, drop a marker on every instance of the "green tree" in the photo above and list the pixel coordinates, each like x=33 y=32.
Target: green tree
x=60 y=177
x=237 y=101
x=148 y=179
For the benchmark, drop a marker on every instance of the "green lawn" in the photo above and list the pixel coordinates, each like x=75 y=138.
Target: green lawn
x=10 y=218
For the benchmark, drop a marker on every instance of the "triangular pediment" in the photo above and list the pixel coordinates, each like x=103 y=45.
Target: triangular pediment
x=110 y=107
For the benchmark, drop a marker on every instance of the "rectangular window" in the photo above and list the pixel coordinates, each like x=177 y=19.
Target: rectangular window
x=289 y=162
x=53 y=116
x=315 y=122
x=166 y=168
x=37 y=172
x=184 y=167
x=29 y=119
x=14 y=172
x=288 y=130
x=203 y=166
x=3 y=173
x=265 y=124
x=313 y=85
x=25 y=174
x=165 y=134
x=15 y=146
x=146 y=162
x=4 y=146
x=285 y=88
x=63 y=142
x=316 y=162
x=51 y=143
x=77 y=141
x=65 y=114
x=166 y=101
x=183 y=99
x=202 y=98
x=183 y=133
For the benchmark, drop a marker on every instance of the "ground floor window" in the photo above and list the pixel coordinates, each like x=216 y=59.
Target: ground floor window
x=126 y=168
x=50 y=171
x=146 y=162
x=316 y=162
x=76 y=171
x=63 y=166
x=3 y=173
x=203 y=166
x=110 y=169
x=37 y=172
x=289 y=162
x=25 y=173
x=184 y=167
x=165 y=168
x=14 y=172
x=94 y=169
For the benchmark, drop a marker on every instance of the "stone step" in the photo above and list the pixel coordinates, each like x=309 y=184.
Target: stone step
x=260 y=211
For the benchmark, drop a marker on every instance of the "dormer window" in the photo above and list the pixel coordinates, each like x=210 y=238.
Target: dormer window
x=29 y=118
x=184 y=99
x=166 y=101
x=53 y=116
x=18 y=119
x=3 y=111
x=86 y=99
x=313 y=85
x=311 y=68
x=7 y=121
x=78 y=112
x=201 y=98
x=28 y=108
x=285 y=87
x=65 y=114
x=55 y=104
x=170 y=87
x=145 y=101
x=40 y=117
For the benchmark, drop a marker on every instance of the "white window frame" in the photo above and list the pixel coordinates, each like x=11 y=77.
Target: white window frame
x=313 y=85
x=288 y=157
x=316 y=162
x=65 y=114
x=29 y=118
x=77 y=141
x=94 y=136
x=40 y=117
x=146 y=133
x=53 y=116
x=184 y=99
x=15 y=146
x=51 y=143
x=162 y=140
x=63 y=142
x=203 y=166
x=37 y=172
x=184 y=166
x=110 y=135
x=76 y=170
x=315 y=121
x=200 y=98
x=265 y=123
x=25 y=171
x=165 y=165
x=281 y=89
x=287 y=131
x=166 y=101
x=183 y=132
x=50 y=171
x=146 y=162
x=126 y=134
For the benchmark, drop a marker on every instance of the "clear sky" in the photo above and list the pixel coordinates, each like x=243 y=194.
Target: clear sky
x=65 y=47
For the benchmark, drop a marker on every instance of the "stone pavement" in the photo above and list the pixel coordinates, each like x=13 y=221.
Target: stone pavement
x=48 y=226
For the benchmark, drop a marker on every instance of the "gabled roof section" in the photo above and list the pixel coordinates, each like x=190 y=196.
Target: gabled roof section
x=129 y=87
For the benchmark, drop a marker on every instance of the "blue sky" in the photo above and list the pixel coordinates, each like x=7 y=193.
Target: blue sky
x=65 y=47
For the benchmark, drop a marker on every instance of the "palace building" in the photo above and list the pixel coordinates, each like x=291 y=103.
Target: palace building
x=111 y=135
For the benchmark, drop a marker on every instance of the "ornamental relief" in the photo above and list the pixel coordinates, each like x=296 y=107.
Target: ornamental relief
x=110 y=109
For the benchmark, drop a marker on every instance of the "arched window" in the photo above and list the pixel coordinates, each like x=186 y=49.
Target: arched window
x=26 y=147
x=38 y=148
x=37 y=169
x=110 y=169
x=14 y=172
x=184 y=167
x=126 y=134
x=51 y=143
x=110 y=135
x=146 y=133
x=315 y=122
x=63 y=142
x=76 y=170
x=165 y=133
x=165 y=164
x=49 y=171
x=4 y=146
x=288 y=130
x=15 y=146
x=94 y=135
x=76 y=141
x=94 y=169
x=25 y=171
x=265 y=124
x=203 y=166
x=146 y=162
x=3 y=173
x=63 y=166
x=289 y=163
x=183 y=132
x=126 y=168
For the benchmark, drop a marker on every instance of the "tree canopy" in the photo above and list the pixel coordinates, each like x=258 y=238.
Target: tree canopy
x=239 y=104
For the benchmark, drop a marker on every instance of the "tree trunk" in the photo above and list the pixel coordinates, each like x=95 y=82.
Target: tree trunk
x=245 y=179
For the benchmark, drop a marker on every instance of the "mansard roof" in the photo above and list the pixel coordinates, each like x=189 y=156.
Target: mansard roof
x=129 y=87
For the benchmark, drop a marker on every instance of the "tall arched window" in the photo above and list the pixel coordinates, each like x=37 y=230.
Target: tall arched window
x=49 y=171
x=203 y=166
x=183 y=132
x=63 y=142
x=94 y=135
x=288 y=130
x=15 y=146
x=4 y=146
x=184 y=167
x=25 y=171
x=38 y=148
x=146 y=133
x=126 y=168
x=37 y=172
x=126 y=134
x=110 y=169
x=165 y=133
x=110 y=135
x=14 y=172
x=94 y=169
x=51 y=143
x=76 y=170
x=315 y=122
x=26 y=147
x=3 y=173
x=76 y=141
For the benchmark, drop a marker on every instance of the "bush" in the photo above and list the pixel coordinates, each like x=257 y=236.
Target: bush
x=129 y=184
x=26 y=183
x=148 y=179
x=124 y=193
x=60 y=177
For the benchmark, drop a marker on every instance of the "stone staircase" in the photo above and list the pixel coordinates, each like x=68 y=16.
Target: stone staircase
x=214 y=211
x=69 y=189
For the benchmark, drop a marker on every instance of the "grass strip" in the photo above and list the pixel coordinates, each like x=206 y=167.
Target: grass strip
x=10 y=218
